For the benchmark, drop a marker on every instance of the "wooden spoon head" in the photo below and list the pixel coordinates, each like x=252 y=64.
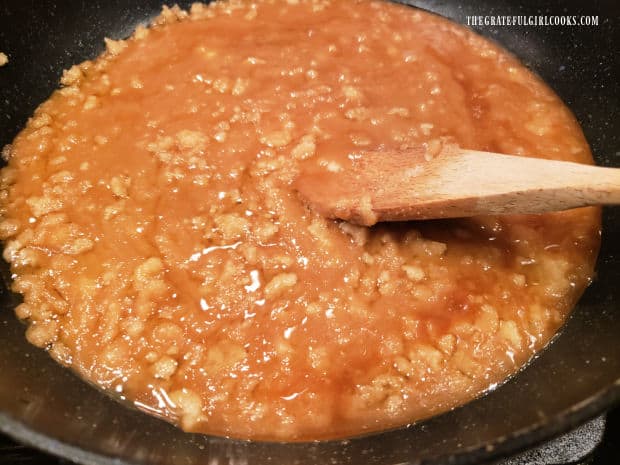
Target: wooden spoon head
x=371 y=189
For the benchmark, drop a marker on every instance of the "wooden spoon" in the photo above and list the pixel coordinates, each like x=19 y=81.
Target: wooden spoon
x=413 y=185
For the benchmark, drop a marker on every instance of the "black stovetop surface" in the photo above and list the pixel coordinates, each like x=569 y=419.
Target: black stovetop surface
x=607 y=453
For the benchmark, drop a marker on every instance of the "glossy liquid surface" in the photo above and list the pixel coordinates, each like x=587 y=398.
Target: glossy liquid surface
x=162 y=253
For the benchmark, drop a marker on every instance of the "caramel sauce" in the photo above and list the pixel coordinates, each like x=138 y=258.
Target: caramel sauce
x=162 y=253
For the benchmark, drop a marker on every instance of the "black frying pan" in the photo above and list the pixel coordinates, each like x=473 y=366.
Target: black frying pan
x=574 y=379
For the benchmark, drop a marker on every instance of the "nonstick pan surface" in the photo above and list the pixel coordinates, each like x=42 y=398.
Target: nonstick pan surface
x=574 y=379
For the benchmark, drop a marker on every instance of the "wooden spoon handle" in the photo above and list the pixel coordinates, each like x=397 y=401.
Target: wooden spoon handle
x=488 y=183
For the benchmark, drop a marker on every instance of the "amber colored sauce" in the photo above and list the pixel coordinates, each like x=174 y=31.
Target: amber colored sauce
x=162 y=253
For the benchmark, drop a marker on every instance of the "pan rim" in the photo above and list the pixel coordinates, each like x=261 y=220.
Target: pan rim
x=503 y=447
